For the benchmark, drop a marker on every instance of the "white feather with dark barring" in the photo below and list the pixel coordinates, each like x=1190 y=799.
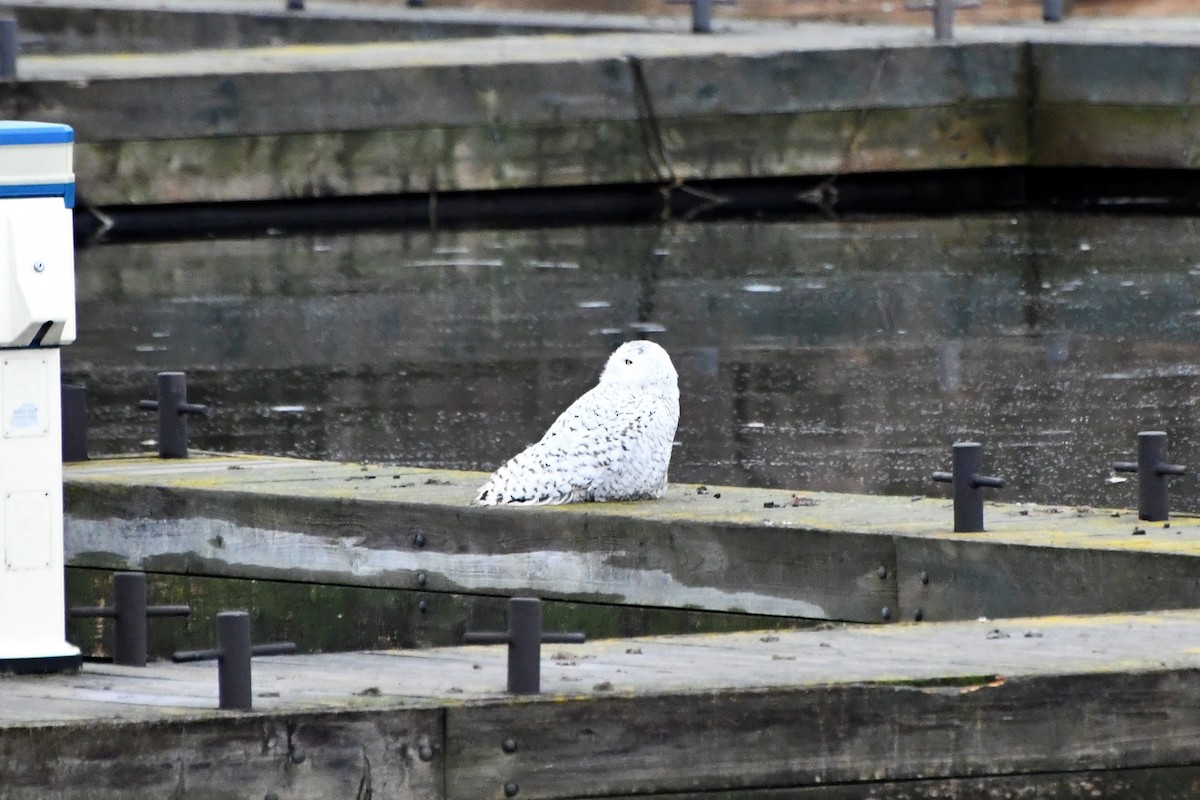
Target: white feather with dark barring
x=613 y=443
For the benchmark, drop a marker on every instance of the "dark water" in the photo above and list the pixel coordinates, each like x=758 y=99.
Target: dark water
x=835 y=355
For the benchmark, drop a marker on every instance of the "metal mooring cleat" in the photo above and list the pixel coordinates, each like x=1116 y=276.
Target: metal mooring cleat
x=130 y=612
x=232 y=654
x=173 y=409
x=524 y=638
x=968 y=486
x=1152 y=470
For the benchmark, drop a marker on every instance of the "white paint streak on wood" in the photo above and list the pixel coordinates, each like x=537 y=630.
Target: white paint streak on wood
x=550 y=571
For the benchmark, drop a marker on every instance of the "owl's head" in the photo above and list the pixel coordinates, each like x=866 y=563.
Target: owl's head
x=640 y=366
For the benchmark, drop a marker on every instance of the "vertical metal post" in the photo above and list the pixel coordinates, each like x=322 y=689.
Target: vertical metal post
x=74 y=423
x=129 y=602
x=1153 y=469
x=702 y=12
x=233 y=665
x=943 y=15
x=1052 y=10
x=130 y=614
x=1152 y=487
x=524 y=645
x=10 y=47
x=172 y=406
x=968 y=499
x=172 y=425
x=943 y=20
x=524 y=638
x=968 y=485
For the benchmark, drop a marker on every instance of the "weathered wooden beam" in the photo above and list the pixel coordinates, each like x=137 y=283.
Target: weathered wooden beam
x=1167 y=783
x=753 y=551
x=339 y=539
x=949 y=704
x=945 y=579
x=734 y=740
x=306 y=756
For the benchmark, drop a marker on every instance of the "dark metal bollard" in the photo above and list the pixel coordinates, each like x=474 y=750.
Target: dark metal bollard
x=232 y=654
x=968 y=486
x=172 y=407
x=524 y=638
x=74 y=423
x=10 y=48
x=701 y=12
x=1152 y=470
x=130 y=612
x=1052 y=11
x=295 y=5
x=943 y=15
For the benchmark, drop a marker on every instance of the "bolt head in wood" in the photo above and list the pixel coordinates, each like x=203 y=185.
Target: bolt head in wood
x=509 y=745
x=511 y=789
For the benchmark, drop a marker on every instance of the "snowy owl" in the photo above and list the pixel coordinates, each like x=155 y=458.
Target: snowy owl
x=613 y=443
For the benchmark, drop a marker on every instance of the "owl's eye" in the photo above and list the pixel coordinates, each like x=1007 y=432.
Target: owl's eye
x=629 y=362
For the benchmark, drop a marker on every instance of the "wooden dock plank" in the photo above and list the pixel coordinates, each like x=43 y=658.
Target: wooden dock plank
x=1163 y=783
x=935 y=705
x=1032 y=646
x=727 y=549
x=234 y=756
x=802 y=736
x=965 y=580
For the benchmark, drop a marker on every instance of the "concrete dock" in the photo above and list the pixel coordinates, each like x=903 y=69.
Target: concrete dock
x=812 y=555
x=614 y=107
x=1047 y=707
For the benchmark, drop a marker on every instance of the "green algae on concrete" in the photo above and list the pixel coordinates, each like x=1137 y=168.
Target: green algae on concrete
x=332 y=164
x=321 y=618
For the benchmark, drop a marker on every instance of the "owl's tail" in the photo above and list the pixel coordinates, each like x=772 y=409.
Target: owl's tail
x=491 y=494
